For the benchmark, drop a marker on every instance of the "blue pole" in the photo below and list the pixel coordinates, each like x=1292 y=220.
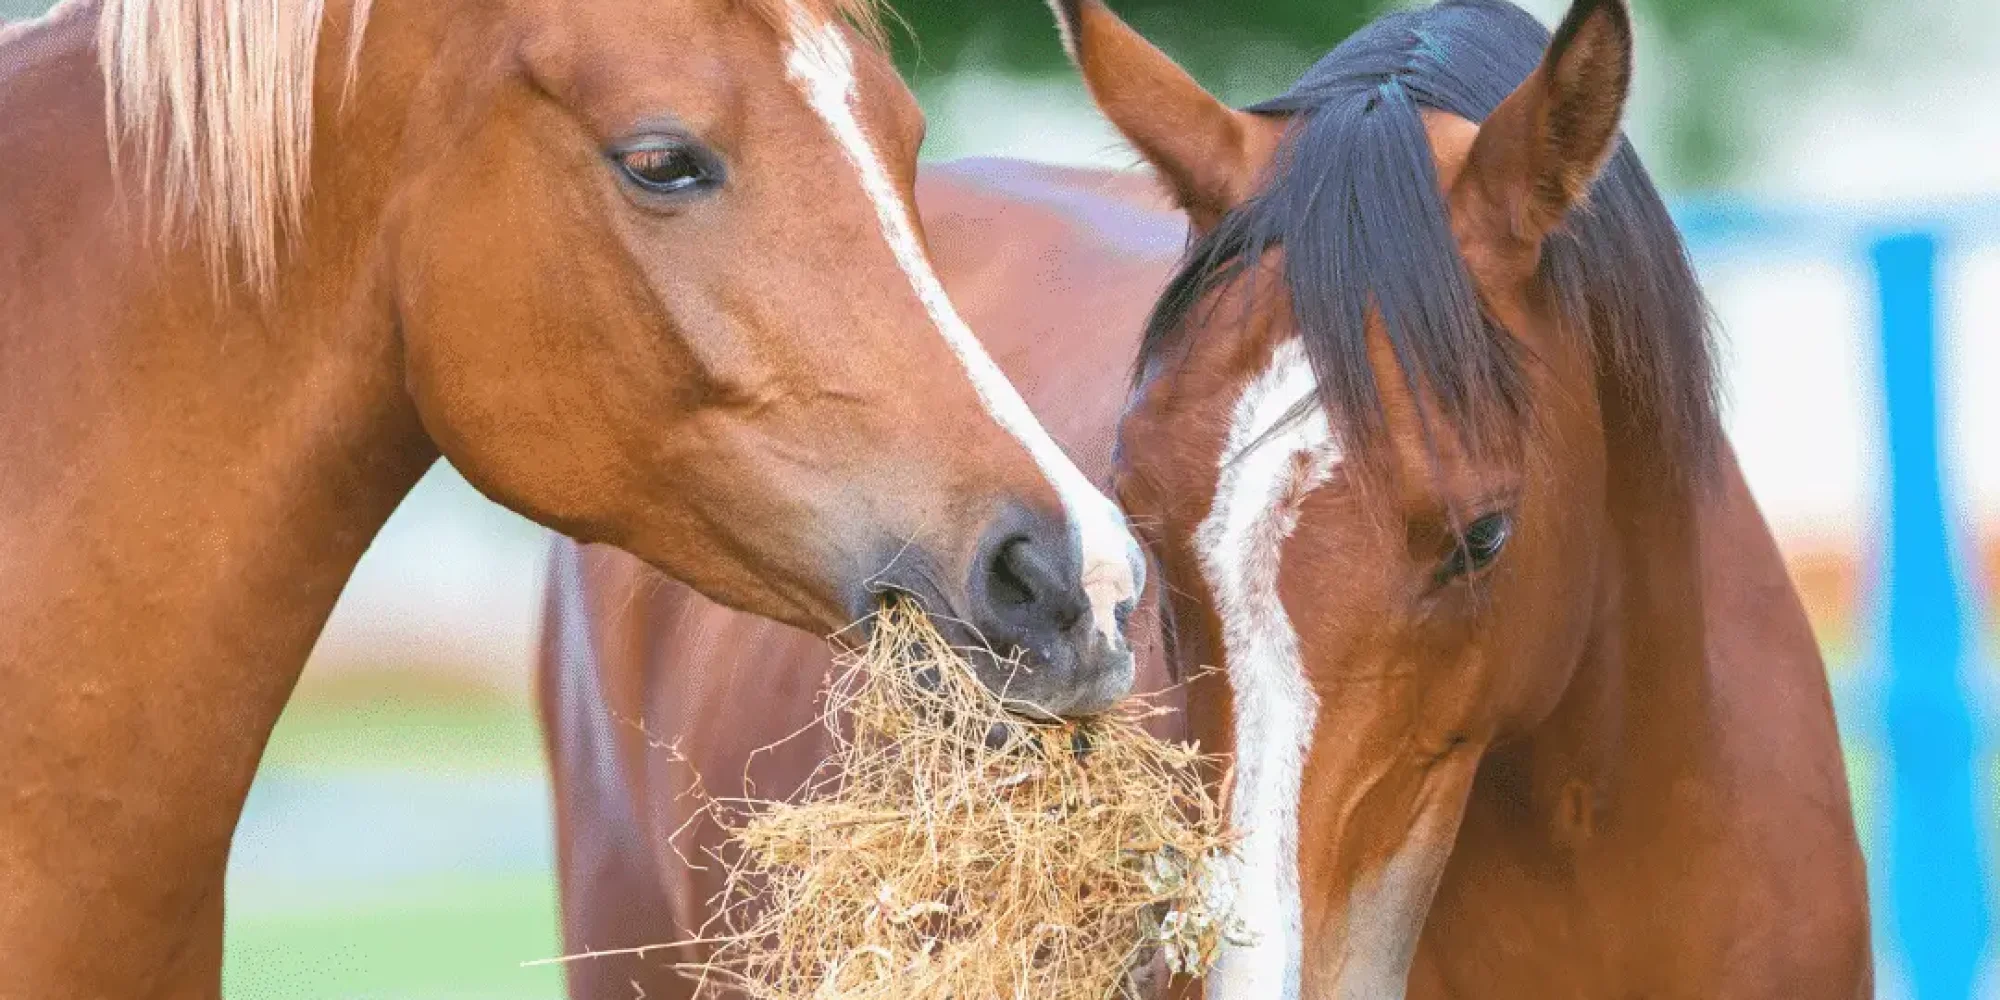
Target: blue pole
x=1937 y=886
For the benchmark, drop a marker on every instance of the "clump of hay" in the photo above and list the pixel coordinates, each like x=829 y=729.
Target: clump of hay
x=951 y=850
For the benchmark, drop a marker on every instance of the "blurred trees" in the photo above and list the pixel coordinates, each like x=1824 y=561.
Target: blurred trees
x=1714 y=43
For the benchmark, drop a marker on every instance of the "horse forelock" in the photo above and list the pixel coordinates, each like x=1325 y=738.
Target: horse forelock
x=215 y=99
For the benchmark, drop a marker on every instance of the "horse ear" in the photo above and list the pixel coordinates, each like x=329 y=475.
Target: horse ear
x=1208 y=153
x=1539 y=151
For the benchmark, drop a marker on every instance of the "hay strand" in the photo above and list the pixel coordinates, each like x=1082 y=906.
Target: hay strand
x=949 y=849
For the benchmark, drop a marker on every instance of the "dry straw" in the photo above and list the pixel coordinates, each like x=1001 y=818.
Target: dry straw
x=948 y=849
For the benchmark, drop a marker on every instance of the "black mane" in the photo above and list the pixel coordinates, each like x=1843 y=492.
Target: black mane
x=1353 y=202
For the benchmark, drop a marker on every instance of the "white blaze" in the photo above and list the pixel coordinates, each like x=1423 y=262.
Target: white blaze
x=822 y=66
x=1271 y=458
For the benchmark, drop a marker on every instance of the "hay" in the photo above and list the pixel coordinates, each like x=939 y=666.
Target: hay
x=948 y=849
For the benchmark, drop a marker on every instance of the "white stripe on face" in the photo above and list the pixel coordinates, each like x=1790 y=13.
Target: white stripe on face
x=1267 y=465
x=822 y=66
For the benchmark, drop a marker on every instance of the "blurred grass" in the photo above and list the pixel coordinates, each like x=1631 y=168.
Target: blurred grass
x=443 y=938
x=457 y=931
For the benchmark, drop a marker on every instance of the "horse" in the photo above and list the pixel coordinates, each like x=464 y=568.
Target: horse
x=1423 y=442
x=645 y=272
x=656 y=701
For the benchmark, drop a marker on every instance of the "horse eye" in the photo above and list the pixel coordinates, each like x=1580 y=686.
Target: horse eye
x=1484 y=538
x=665 y=168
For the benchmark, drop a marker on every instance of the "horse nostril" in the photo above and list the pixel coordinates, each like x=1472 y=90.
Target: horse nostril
x=1025 y=581
x=1011 y=579
x=1027 y=606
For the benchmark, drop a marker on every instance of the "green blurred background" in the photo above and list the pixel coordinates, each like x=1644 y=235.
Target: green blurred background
x=397 y=842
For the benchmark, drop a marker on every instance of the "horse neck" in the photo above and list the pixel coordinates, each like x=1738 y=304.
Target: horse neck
x=188 y=484
x=1650 y=734
x=1638 y=700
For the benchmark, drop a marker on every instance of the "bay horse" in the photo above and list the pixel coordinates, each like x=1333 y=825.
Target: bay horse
x=645 y=271
x=1424 y=444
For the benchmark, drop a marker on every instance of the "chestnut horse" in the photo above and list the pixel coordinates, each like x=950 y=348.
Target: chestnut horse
x=1520 y=699
x=646 y=271
x=654 y=698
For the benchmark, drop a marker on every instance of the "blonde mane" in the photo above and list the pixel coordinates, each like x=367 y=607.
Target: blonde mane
x=215 y=98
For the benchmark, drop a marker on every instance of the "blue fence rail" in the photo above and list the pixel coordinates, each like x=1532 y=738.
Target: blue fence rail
x=1916 y=701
